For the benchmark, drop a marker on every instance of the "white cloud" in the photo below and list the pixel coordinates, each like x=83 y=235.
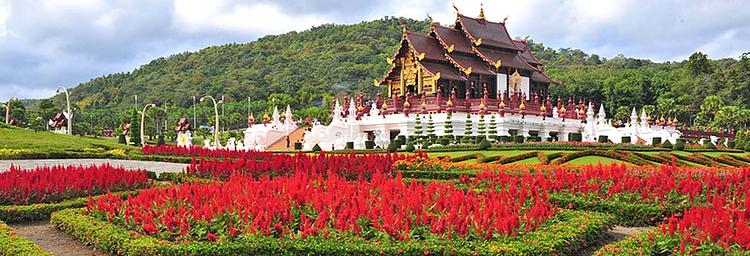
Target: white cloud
x=4 y=14
x=258 y=18
x=50 y=43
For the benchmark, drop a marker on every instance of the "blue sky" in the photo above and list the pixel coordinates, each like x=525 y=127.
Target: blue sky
x=45 y=44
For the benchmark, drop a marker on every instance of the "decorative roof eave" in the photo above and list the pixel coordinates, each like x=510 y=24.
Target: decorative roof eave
x=528 y=50
x=466 y=71
x=546 y=76
x=495 y=63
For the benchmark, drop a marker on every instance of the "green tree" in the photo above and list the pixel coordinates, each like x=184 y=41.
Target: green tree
x=135 y=131
x=698 y=64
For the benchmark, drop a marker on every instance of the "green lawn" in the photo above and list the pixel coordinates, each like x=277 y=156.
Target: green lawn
x=595 y=160
x=13 y=138
x=531 y=160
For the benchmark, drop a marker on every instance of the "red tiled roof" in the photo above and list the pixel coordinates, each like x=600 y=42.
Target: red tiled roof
x=446 y=71
x=476 y=64
x=508 y=59
x=526 y=53
x=427 y=45
x=450 y=36
x=492 y=33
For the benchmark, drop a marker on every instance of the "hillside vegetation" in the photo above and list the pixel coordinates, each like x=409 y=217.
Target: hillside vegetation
x=304 y=69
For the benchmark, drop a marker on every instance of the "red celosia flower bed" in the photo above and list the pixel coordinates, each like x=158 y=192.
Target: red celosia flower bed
x=722 y=222
x=53 y=184
x=195 y=151
x=305 y=204
x=649 y=184
x=350 y=165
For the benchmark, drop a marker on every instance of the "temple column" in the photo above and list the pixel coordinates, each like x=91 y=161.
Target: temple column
x=562 y=136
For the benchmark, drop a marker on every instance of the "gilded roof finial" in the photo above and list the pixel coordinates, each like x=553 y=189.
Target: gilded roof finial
x=481 y=10
x=505 y=19
x=526 y=39
x=402 y=24
x=454 y=7
x=430 y=17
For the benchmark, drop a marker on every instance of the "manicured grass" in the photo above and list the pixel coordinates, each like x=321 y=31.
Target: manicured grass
x=533 y=160
x=595 y=160
x=13 y=138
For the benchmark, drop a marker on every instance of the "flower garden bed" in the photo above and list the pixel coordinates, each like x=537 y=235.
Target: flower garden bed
x=311 y=214
x=30 y=195
x=13 y=244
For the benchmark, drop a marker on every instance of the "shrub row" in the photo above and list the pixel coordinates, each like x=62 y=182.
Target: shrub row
x=36 y=212
x=13 y=244
x=565 y=233
x=622 y=156
x=16 y=154
x=625 y=213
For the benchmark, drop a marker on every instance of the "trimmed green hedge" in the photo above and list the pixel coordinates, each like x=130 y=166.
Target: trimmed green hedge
x=565 y=233
x=13 y=244
x=654 y=242
x=36 y=212
x=625 y=213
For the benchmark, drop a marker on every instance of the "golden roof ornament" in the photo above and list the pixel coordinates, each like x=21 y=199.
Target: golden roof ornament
x=454 y=7
x=449 y=103
x=481 y=11
x=501 y=104
x=543 y=109
x=522 y=106
x=481 y=105
x=384 y=106
x=424 y=103
x=407 y=104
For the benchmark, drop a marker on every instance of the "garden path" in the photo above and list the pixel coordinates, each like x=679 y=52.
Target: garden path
x=158 y=167
x=54 y=241
x=613 y=235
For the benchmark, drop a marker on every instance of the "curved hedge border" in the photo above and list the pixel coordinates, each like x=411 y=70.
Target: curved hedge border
x=13 y=244
x=35 y=212
x=654 y=242
x=567 y=232
x=628 y=157
x=94 y=154
x=626 y=213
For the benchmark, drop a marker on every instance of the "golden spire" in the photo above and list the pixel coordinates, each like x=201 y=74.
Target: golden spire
x=449 y=103
x=430 y=17
x=481 y=10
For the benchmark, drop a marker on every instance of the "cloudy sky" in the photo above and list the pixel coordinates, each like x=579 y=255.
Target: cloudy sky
x=49 y=43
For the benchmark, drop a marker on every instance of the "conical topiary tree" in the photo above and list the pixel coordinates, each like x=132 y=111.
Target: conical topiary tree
x=448 y=127
x=430 y=126
x=468 y=130
x=493 y=127
x=418 y=126
x=481 y=131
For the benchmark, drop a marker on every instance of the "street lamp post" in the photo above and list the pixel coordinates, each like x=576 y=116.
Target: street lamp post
x=70 y=113
x=216 y=114
x=7 y=110
x=143 y=117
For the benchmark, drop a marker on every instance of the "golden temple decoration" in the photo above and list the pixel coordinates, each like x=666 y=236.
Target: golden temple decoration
x=384 y=106
x=436 y=77
x=454 y=7
x=424 y=103
x=376 y=82
x=449 y=103
x=522 y=106
x=451 y=48
x=502 y=104
x=468 y=71
x=514 y=79
x=389 y=61
x=481 y=11
x=407 y=104
x=498 y=63
x=478 y=42
x=420 y=56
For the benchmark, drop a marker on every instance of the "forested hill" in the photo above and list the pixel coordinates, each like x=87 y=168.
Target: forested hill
x=305 y=65
x=304 y=68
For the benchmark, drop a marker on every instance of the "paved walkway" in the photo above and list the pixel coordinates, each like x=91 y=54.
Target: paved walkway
x=158 y=167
